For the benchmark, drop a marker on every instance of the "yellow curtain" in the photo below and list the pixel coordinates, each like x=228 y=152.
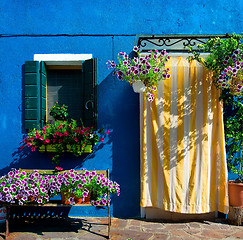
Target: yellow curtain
x=183 y=159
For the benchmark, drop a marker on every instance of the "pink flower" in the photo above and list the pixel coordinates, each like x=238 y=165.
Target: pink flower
x=33 y=149
x=59 y=168
x=60 y=140
x=75 y=139
x=42 y=138
x=21 y=148
x=135 y=49
x=102 y=139
x=46 y=141
x=37 y=134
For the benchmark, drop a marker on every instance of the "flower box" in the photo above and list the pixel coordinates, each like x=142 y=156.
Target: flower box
x=51 y=148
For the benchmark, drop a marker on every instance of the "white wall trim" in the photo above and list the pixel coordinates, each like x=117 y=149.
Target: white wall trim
x=62 y=59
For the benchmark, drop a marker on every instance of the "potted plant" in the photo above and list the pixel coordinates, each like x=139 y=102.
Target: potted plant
x=225 y=59
x=233 y=108
x=59 y=112
x=146 y=71
x=86 y=186
x=21 y=187
x=62 y=136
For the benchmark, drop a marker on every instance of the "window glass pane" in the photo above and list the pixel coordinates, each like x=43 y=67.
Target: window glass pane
x=66 y=87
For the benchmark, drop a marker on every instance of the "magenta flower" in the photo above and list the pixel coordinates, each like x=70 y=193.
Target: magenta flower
x=135 y=49
x=104 y=201
x=85 y=194
x=59 y=168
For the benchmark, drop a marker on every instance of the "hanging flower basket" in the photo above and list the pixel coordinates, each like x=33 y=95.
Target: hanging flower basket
x=138 y=86
x=149 y=68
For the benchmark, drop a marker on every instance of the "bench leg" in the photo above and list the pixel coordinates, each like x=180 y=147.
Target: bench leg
x=109 y=221
x=7 y=224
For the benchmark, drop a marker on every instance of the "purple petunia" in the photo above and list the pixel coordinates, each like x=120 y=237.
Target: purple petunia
x=135 y=72
x=135 y=48
x=6 y=189
x=85 y=194
x=104 y=201
x=135 y=60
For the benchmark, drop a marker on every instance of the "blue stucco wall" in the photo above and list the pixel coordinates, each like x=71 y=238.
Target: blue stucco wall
x=104 y=28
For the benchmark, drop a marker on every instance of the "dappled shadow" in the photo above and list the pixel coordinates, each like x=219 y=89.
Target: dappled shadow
x=26 y=159
x=52 y=226
x=120 y=112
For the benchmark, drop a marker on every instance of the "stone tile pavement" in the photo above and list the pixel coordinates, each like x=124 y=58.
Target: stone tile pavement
x=121 y=229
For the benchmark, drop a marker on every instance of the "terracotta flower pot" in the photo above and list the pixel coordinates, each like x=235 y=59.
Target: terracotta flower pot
x=235 y=194
x=65 y=199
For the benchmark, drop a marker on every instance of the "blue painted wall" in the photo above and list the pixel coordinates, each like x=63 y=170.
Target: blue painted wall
x=104 y=28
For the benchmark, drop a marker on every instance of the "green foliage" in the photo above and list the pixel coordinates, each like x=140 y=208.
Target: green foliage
x=59 y=112
x=233 y=113
x=63 y=134
x=225 y=60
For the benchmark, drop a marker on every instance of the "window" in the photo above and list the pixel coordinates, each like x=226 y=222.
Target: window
x=67 y=82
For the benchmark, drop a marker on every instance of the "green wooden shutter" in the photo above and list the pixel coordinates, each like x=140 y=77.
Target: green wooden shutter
x=35 y=94
x=43 y=90
x=90 y=93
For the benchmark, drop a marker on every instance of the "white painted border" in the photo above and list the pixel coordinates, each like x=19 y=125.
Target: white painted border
x=62 y=59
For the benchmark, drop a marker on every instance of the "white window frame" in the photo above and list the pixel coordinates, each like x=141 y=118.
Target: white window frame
x=65 y=59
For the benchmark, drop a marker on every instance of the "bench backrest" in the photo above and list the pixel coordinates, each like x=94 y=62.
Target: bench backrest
x=53 y=172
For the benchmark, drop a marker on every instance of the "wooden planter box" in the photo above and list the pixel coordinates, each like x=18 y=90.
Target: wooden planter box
x=51 y=148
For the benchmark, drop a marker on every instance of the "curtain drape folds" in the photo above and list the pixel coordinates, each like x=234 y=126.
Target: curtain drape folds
x=183 y=159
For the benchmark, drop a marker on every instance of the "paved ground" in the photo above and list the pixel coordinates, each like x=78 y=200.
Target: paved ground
x=122 y=229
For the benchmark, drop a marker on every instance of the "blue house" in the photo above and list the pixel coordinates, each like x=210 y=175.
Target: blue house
x=70 y=33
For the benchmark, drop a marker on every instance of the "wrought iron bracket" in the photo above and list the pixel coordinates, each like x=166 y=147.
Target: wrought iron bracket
x=175 y=43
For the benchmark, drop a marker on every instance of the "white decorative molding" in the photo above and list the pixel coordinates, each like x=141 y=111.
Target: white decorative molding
x=62 y=59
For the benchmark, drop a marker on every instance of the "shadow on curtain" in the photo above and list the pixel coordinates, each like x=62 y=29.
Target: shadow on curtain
x=183 y=159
